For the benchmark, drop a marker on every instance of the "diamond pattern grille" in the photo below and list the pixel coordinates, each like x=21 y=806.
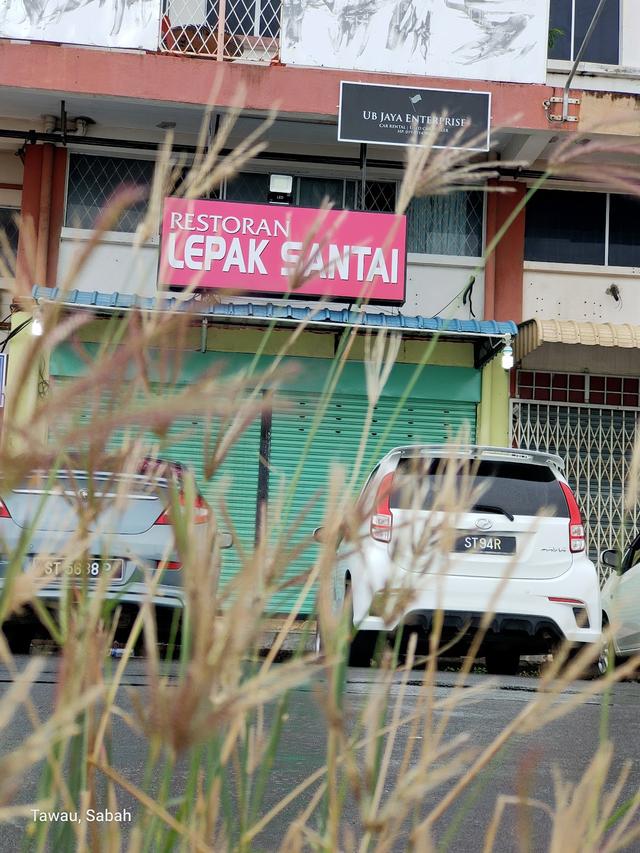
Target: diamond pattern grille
x=596 y=444
x=94 y=182
x=379 y=196
x=446 y=224
x=250 y=28
x=8 y=228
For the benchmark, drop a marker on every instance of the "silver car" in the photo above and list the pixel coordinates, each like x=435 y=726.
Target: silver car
x=71 y=526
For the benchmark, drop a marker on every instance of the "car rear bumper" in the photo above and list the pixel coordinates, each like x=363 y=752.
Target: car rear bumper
x=135 y=595
x=532 y=634
x=552 y=600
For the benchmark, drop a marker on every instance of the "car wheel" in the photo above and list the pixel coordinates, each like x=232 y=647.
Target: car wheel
x=601 y=666
x=363 y=647
x=605 y=658
x=502 y=661
x=19 y=640
x=363 y=644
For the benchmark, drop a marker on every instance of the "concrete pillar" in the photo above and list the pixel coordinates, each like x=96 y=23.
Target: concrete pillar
x=493 y=409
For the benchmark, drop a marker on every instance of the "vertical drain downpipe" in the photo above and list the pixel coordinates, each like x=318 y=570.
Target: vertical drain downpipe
x=44 y=218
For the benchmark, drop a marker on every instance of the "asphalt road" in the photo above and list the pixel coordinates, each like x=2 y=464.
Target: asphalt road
x=568 y=743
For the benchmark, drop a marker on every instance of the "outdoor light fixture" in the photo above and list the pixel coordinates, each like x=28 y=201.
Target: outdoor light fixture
x=507 y=354
x=36 y=325
x=280 y=189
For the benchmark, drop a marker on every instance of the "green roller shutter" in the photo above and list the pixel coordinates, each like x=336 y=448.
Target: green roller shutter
x=337 y=440
x=235 y=483
x=442 y=401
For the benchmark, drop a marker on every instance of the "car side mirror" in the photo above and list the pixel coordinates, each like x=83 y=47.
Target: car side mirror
x=611 y=558
x=320 y=534
x=225 y=539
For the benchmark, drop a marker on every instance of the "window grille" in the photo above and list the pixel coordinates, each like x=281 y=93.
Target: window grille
x=379 y=196
x=446 y=224
x=250 y=28
x=596 y=442
x=94 y=182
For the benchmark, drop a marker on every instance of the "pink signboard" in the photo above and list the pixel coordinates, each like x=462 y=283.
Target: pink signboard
x=255 y=248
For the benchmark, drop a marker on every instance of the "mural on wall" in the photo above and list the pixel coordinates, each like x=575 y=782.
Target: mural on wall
x=479 y=39
x=105 y=23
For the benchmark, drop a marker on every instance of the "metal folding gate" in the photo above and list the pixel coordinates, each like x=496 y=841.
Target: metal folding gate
x=596 y=444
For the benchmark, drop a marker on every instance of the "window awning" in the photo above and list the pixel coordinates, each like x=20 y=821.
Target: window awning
x=536 y=332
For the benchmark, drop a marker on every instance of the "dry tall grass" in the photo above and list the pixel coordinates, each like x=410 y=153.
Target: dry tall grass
x=217 y=717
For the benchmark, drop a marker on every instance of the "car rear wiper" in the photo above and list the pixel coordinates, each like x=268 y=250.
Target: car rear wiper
x=490 y=508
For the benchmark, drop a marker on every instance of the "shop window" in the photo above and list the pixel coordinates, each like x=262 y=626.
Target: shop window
x=566 y=227
x=582 y=388
x=94 y=182
x=343 y=193
x=313 y=191
x=9 y=241
x=569 y=21
x=248 y=186
x=596 y=390
x=446 y=224
x=583 y=228
x=624 y=235
x=577 y=387
x=630 y=389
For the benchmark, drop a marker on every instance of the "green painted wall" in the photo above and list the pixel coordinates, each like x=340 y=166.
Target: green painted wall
x=312 y=344
x=433 y=381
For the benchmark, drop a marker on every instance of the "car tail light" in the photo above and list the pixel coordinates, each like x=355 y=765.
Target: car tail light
x=200 y=513
x=4 y=512
x=576 y=528
x=382 y=519
x=170 y=565
x=560 y=599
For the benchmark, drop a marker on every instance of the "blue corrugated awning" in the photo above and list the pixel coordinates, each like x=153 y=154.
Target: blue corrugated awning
x=113 y=302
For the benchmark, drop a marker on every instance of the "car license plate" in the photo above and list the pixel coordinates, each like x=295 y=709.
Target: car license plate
x=58 y=568
x=486 y=544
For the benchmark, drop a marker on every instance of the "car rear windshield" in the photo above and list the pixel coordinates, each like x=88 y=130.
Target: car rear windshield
x=512 y=487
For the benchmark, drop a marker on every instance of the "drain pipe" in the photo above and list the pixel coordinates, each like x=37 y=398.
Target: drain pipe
x=44 y=216
x=203 y=334
x=565 y=92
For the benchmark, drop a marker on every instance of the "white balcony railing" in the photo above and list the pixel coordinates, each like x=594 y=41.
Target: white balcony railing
x=241 y=30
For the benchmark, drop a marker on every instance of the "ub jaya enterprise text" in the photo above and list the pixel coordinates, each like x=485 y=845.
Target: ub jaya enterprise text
x=201 y=251
x=410 y=118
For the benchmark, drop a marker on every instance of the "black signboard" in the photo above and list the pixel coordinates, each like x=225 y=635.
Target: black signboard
x=400 y=115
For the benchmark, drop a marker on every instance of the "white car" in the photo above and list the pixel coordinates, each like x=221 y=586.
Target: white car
x=621 y=599
x=413 y=556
